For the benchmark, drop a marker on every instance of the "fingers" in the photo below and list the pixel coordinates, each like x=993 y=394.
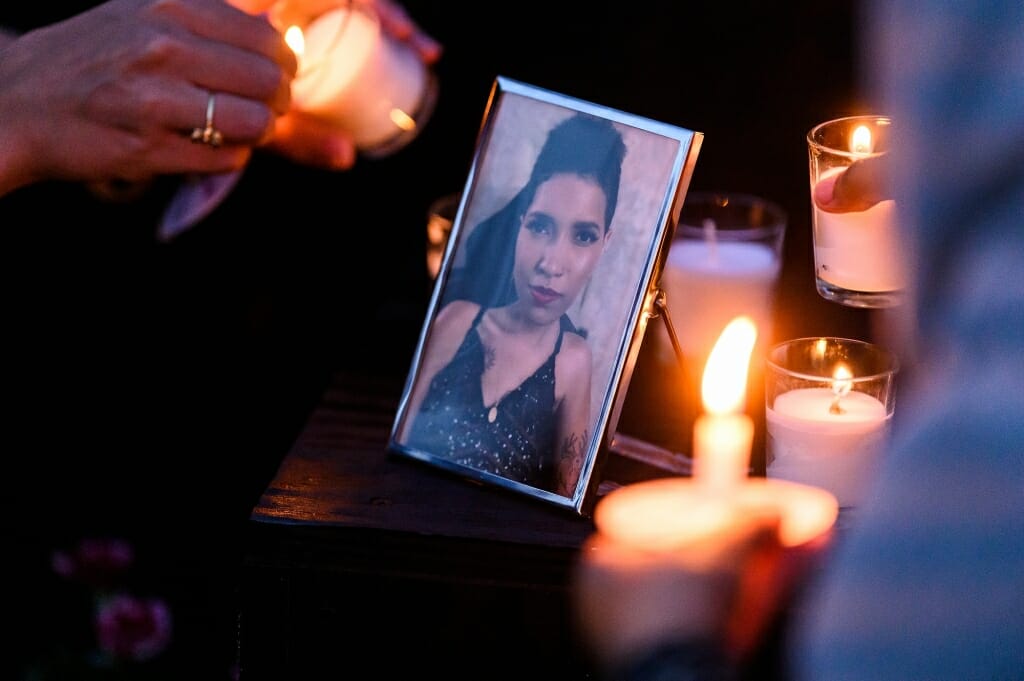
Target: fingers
x=237 y=73
x=760 y=594
x=135 y=157
x=152 y=105
x=251 y=58
x=857 y=188
x=310 y=141
x=223 y=23
x=396 y=21
x=239 y=120
x=627 y=599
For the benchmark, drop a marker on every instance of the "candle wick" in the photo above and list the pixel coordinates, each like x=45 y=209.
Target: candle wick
x=711 y=238
x=834 y=408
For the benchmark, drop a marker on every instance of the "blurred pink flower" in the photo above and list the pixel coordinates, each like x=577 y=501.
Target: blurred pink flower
x=132 y=628
x=95 y=561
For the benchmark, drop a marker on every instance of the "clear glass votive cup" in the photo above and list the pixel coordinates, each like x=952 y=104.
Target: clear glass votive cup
x=724 y=261
x=828 y=410
x=356 y=75
x=858 y=258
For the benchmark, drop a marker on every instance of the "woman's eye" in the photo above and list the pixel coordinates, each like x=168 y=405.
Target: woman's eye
x=538 y=225
x=587 y=237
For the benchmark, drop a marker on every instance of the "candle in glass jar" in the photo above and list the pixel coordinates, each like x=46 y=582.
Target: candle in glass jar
x=710 y=282
x=352 y=74
x=858 y=250
x=811 y=443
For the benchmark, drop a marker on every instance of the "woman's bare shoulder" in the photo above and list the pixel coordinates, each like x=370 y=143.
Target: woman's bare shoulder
x=574 y=355
x=453 y=321
x=457 y=311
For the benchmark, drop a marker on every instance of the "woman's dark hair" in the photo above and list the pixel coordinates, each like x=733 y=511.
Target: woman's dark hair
x=581 y=145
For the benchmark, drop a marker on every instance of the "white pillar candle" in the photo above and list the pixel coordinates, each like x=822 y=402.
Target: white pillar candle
x=811 y=444
x=859 y=251
x=355 y=76
x=709 y=283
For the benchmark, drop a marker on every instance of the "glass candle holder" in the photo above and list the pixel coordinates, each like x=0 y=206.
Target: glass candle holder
x=723 y=262
x=829 y=404
x=858 y=259
x=356 y=75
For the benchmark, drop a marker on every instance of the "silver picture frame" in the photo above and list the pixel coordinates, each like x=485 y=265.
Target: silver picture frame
x=550 y=269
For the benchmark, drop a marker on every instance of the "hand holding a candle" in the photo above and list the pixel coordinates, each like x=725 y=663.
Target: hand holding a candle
x=311 y=138
x=711 y=593
x=699 y=567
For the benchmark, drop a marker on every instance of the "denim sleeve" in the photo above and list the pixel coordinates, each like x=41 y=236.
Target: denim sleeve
x=929 y=584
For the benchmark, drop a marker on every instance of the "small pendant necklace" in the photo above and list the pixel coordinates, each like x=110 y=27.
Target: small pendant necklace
x=489 y=359
x=492 y=413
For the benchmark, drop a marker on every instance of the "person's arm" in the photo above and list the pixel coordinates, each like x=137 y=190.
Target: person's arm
x=113 y=93
x=683 y=613
x=572 y=388
x=928 y=582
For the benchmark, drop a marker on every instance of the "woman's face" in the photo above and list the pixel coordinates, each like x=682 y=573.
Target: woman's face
x=560 y=240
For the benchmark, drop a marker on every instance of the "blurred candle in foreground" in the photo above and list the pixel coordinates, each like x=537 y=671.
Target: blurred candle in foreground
x=671 y=513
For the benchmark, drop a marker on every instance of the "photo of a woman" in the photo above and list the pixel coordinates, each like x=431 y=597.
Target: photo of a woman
x=537 y=298
x=505 y=384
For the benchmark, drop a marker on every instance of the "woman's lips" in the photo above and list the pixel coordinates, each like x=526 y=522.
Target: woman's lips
x=544 y=296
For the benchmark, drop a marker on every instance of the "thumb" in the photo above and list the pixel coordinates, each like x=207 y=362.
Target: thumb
x=857 y=188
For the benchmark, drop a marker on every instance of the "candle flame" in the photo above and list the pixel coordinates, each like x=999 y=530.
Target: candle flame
x=402 y=120
x=295 y=40
x=724 y=385
x=860 y=143
x=841 y=384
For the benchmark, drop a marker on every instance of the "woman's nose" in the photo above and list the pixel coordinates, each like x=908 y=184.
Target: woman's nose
x=552 y=260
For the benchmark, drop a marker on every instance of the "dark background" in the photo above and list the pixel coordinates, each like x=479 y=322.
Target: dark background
x=154 y=388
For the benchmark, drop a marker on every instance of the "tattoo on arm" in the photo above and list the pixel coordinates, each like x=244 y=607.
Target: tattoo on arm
x=570 y=459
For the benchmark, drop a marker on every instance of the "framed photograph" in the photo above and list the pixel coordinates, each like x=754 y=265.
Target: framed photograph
x=540 y=304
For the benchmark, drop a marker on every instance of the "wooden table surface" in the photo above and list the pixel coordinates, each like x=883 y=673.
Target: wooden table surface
x=350 y=543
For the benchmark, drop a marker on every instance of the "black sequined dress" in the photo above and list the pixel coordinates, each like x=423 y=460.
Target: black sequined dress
x=453 y=421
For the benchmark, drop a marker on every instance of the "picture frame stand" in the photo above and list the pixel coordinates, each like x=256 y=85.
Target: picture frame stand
x=635 y=459
x=661 y=304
